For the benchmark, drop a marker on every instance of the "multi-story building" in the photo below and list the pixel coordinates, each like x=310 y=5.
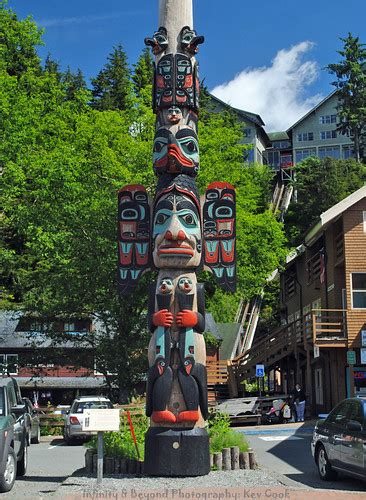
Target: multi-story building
x=253 y=131
x=315 y=134
x=322 y=340
x=47 y=371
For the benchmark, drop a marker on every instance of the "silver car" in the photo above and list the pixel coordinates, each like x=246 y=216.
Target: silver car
x=74 y=418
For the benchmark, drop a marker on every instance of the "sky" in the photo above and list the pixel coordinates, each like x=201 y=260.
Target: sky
x=266 y=58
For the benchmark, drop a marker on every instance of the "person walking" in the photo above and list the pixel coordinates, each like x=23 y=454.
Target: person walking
x=299 y=398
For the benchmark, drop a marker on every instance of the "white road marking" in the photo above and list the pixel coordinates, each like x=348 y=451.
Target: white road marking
x=54 y=446
x=280 y=438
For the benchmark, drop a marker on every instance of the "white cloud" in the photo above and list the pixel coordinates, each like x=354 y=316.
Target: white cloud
x=66 y=21
x=275 y=92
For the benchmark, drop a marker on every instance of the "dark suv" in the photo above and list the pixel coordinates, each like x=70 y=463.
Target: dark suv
x=13 y=434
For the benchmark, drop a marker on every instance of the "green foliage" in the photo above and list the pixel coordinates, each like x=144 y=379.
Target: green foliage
x=351 y=90
x=63 y=162
x=222 y=436
x=143 y=73
x=120 y=444
x=211 y=340
x=112 y=86
x=18 y=42
x=320 y=184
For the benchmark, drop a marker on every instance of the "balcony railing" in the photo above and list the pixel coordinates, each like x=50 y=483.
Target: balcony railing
x=329 y=326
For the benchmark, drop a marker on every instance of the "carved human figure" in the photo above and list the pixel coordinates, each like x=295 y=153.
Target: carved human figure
x=176 y=319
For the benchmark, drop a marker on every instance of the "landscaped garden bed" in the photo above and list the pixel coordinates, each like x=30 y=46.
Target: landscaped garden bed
x=229 y=450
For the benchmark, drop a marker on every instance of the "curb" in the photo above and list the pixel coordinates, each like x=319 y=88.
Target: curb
x=287 y=430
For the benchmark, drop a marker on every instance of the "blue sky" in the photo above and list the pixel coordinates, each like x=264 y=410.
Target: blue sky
x=265 y=57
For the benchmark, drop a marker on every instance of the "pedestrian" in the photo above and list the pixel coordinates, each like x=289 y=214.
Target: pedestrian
x=299 y=398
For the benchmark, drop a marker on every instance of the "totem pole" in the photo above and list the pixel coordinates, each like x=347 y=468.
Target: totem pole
x=177 y=234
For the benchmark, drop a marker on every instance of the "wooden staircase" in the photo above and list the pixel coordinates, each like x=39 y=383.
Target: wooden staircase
x=220 y=383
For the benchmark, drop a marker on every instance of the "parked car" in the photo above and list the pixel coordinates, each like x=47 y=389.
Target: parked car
x=13 y=434
x=339 y=440
x=74 y=418
x=34 y=431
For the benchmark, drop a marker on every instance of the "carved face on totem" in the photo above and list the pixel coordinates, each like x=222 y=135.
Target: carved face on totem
x=158 y=42
x=189 y=40
x=176 y=152
x=177 y=238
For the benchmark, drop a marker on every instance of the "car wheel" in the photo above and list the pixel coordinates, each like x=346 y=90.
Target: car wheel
x=23 y=462
x=37 y=438
x=8 y=477
x=67 y=438
x=324 y=468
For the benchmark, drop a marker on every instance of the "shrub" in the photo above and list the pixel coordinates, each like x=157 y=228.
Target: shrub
x=222 y=436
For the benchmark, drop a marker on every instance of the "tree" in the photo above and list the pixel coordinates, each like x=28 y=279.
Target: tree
x=143 y=72
x=112 y=87
x=320 y=184
x=74 y=83
x=18 y=42
x=351 y=91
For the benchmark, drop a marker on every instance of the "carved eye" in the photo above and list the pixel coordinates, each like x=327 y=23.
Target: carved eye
x=158 y=146
x=188 y=219
x=191 y=146
x=161 y=219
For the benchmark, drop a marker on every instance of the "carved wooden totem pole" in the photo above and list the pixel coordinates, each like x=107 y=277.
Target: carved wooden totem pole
x=177 y=234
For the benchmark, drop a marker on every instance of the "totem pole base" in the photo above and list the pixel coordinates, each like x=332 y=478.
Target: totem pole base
x=176 y=452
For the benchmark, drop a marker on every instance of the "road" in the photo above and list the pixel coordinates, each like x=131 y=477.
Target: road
x=49 y=464
x=288 y=452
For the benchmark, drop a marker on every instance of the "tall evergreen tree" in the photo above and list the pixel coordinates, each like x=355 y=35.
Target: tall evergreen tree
x=74 y=82
x=143 y=72
x=112 y=87
x=351 y=90
x=52 y=67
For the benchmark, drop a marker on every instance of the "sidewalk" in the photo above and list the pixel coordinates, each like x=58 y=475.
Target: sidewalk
x=295 y=427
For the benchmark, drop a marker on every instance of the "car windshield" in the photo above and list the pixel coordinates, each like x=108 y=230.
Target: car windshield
x=91 y=405
x=2 y=402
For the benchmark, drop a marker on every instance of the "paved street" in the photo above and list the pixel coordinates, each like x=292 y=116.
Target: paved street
x=286 y=450
x=49 y=464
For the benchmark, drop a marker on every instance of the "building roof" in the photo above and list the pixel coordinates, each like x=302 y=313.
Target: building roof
x=61 y=382
x=212 y=327
x=311 y=111
x=230 y=334
x=11 y=338
x=245 y=114
x=330 y=215
x=278 y=136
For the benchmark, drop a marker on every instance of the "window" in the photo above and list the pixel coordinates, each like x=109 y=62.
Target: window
x=249 y=155
x=286 y=160
x=273 y=158
x=348 y=152
x=247 y=132
x=8 y=364
x=327 y=119
x=305 y=136
x=301 y=154
x=328 y=134
x=69 y=327
x=358 y=283
x=356 y=412
x=339 y=415
x=36 y=326
x=332 y=151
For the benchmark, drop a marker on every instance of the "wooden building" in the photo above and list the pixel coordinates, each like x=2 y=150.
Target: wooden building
x=323 y=297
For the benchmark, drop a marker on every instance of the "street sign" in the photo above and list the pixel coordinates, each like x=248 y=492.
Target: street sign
x=259 y=370
x=351 y=357
x=101 y=420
